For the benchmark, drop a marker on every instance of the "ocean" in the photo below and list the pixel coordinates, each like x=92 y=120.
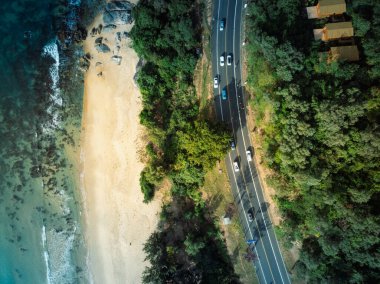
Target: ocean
x=41 y=91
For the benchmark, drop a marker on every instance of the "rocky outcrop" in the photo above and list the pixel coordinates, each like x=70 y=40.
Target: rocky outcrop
x=109 y=28
x=96 y=30
x=118 y=13
x=84 y=62
x=102 y=48
x=99 y=40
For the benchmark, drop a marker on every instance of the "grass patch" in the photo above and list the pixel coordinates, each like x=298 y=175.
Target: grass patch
x=217 y=193
x=261 y=107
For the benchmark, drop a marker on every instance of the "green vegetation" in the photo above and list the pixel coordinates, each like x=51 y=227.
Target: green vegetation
x=323 y=138
x=220 y=202
x=187 y=247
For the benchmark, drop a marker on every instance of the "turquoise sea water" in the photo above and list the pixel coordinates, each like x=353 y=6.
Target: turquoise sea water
x=41 y=92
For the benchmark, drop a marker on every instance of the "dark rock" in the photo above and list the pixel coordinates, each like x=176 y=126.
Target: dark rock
x=109 y=28
x=102 y=48
x=118 y=12
x=28 y=34
x=87 y=56
x=96 y=31
x=79 y=34
x=118 y=5
x=118 y=36
x=93 y=32
x=99 y=40
x=84 y=64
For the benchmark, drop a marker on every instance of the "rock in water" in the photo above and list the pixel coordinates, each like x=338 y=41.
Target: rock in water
x=102 y=48
x=118 y=13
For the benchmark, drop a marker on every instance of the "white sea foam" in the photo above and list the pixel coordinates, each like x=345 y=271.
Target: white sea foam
x=46 y=254
x=89 y=272
x=60 y=245
x=65 y=202
x=74 y=2
x=51 y=50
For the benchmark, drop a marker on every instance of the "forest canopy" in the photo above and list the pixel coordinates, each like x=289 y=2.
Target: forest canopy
x=322 y=138
x=187 y=246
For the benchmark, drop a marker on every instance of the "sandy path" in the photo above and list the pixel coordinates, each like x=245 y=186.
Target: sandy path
x=117 y=221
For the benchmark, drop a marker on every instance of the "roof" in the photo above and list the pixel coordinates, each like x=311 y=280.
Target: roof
x=318 y=34
x=338 y=30
x=312 y=12
x=349 y=53
x=226 y=220
x=331 y=7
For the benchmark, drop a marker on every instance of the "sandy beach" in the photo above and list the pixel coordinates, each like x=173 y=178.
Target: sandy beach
x=117 y=221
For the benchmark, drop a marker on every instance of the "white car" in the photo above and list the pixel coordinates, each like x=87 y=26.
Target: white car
x=249 y=155
x=229 y=59
x=236 y=167
x=221 y=60
x=216 y=82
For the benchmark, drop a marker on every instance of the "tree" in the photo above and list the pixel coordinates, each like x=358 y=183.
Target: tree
x=200 y=145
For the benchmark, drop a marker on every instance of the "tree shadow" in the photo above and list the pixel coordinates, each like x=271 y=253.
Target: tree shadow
x=264 y=207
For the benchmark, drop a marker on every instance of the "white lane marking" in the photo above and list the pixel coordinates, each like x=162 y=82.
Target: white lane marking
x=249 y=166
x=249 y=228
x=217 y=61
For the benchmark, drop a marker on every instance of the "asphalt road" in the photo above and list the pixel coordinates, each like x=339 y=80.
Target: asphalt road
x=245 y=183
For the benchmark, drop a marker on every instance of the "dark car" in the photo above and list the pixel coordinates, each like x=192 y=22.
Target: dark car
x=229 y=59
x=233 y=146
x=251 y=214
x=224 y=94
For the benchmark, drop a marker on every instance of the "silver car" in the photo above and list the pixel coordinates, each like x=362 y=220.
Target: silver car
x=221 y=60
x=236 y=167
x=216 y=82
x=249 y=155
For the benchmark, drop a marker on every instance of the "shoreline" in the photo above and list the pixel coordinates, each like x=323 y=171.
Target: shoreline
x=117 y=222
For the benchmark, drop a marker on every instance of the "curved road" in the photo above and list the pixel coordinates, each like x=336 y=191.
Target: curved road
x=245 y=183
